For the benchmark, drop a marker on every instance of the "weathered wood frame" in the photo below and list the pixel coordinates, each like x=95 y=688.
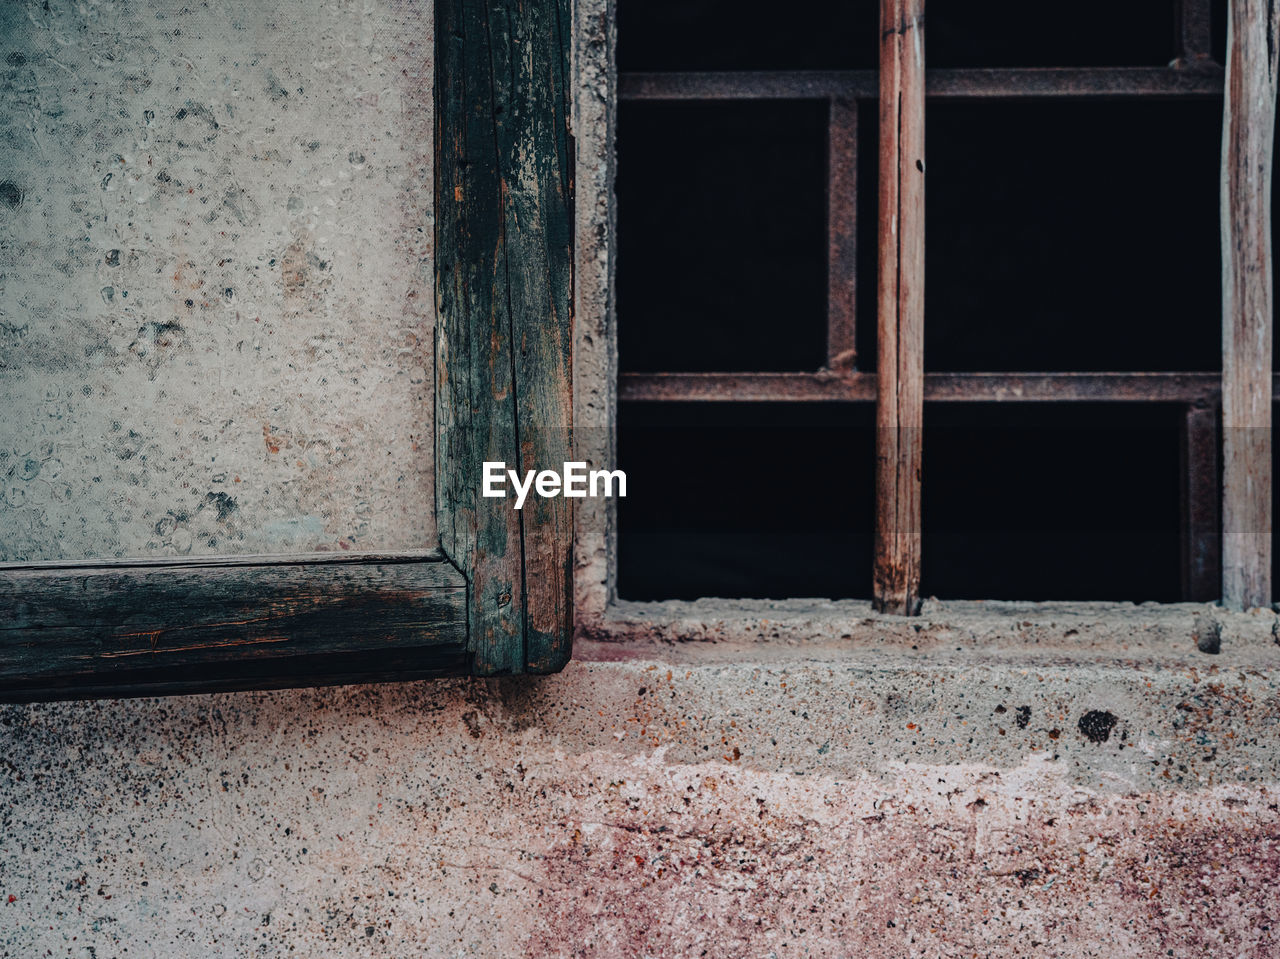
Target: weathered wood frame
x=504 y=289
x=900 y=310
x=495 y=597
x=1207 y=570
x=1248 y=132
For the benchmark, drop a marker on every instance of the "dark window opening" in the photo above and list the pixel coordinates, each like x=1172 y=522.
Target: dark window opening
x=1218 y=22
x=1073 y=235
x=663 y=35
x=751 y=500
x=1051 y=502
x=1085 y=33
x=722 y=235
x=1066 y=234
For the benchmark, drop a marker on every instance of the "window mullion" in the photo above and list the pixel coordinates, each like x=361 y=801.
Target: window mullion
x=1253 y=57
x=900 y=307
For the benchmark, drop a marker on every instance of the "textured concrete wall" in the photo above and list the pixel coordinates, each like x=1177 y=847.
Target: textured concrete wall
x=1021 y=781
x=713 y=800
x=215 y=277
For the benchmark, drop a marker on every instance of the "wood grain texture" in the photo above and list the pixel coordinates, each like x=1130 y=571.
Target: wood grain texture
x=504 y=332
x=475 y=400
x=100 y=630
x=900 y=329
x=1253 y=56
x=531 y=72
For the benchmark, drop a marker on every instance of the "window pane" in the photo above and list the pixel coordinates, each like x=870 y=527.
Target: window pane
x=215 y=278
x=722 y=236
x=1084 y=33
x=766 y=500
x=1073 y=236
x=1039 y=502
x=733 y=35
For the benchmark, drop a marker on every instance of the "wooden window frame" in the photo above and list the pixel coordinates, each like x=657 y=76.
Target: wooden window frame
x=526 y=372
x=494 y=597
x=1226 y=417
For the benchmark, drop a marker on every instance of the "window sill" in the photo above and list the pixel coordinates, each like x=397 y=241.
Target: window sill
x=1049 y=631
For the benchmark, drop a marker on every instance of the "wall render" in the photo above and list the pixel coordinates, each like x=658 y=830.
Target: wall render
x=709 y=799
x=1004 y=780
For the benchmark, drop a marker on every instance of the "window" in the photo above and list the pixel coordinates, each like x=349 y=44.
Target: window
x=230 y=457
x=1061 y=355
x=756 y=306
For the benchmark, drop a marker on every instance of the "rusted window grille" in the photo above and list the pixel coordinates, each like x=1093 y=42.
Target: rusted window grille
x=899 y=385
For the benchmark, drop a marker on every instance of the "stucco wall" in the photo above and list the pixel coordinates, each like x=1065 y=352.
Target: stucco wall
x=1007 y=781
x=769 y=799
x=215 y=277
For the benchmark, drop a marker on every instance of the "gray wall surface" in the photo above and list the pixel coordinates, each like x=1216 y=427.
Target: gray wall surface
x=988 y=780
x=216 y=294
x=711 y=800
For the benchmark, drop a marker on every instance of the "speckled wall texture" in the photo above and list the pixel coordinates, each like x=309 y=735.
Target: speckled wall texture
x=215 y=288
x=714 y=802
x=215 y=277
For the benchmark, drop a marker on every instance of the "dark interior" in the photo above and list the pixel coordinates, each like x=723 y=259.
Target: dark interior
x=1084 y=33
x=1051 y=501
x=1073 y=235
x=745 y=499
x=740 y=282
x=668 y=35
x=1062 y=235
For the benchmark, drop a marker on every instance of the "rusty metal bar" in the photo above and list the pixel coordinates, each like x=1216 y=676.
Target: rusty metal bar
x=842 y=234
x=1201 y=526
x=751 y=85
x=1083 y=82
x=938 y=387
x=1195 y=37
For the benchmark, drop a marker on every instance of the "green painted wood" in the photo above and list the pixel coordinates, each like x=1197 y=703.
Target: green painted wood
x=537 y=163
x=475 y=400
x=133 y=629
x=504 y=221
x=321 y=669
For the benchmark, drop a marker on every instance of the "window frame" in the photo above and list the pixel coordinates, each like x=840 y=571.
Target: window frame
x=526 y=371
x=493 y=597
x=1214 y=565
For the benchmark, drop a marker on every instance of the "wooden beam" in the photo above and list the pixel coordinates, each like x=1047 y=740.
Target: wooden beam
x=123 y=629
x=1253 y=56
x=475 y=398
x=900 y=350
x=531 y=43
x=504 y=227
